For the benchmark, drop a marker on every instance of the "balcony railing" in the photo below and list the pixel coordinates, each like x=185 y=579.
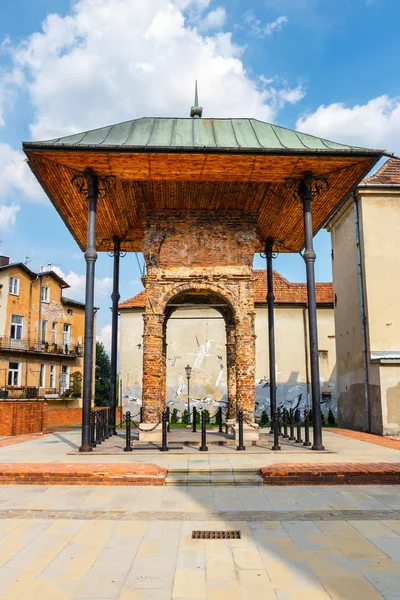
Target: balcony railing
x=11 y=392
x=25 y=345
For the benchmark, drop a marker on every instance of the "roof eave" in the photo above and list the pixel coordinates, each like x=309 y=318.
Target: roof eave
x=360 y=152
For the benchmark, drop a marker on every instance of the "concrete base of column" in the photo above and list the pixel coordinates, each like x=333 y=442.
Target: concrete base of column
x=250 y=434
x=149 y=433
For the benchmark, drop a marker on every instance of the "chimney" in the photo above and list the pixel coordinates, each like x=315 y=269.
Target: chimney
x=4 y=261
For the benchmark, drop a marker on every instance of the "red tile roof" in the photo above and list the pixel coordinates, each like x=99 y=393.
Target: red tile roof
x=388 y=173
x=285 y=292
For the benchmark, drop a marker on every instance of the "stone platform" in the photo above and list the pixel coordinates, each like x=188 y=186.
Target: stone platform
x=54 y=459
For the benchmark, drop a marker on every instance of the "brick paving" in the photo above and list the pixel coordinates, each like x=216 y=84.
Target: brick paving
x=371 y=438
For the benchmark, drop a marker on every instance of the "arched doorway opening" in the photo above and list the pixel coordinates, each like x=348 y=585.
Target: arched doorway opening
x=195 y=333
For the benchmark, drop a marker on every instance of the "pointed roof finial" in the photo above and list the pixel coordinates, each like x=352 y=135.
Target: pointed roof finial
x=196 y=111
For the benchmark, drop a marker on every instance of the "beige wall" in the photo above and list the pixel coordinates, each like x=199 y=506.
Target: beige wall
x=197 y=337
x=349 y=352
x=379 y=223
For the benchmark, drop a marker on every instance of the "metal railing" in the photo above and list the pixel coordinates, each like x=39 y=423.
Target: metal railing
x=26 y=345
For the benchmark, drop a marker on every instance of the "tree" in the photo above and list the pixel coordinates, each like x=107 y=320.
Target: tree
x=174 y=416
x=103 y=376
x=76 y=380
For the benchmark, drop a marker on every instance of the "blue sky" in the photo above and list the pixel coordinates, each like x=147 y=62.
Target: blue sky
x=328 y=67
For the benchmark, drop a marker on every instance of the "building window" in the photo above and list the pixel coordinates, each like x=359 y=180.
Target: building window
x=44 y=331
x=16 y=327
x=54 y=332
x=45 y=293
x=67 y=332
x=69 y=311
x=42 y=380
x=14 y=370
x=64 y=378
x=52 y=376
x=14 y=286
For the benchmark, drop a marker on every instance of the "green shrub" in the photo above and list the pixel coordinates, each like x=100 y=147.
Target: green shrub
x=264 y=421
x=174 y=416
x=331 y=418
x=184 y=416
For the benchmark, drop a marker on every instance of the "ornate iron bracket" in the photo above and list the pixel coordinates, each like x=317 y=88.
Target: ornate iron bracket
x=308 y=185
x=105 y=184
x=111 y=253
x=275 y=248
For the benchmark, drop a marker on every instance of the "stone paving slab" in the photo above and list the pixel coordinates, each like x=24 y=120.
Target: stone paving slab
x=56 y=446
x=217 y=515
x=68 y=543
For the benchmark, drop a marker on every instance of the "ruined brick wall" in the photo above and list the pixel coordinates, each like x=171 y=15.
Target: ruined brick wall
x=18 y=418
x=207 y=255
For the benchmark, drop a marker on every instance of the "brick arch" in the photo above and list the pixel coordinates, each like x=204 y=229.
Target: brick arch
x=219 y=290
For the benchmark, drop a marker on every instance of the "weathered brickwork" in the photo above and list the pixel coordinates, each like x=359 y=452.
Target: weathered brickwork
x=200 y=257
x=24 y=417
x=19 y=418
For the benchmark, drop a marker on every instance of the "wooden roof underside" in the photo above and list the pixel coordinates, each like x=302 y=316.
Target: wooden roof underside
x=148 y=181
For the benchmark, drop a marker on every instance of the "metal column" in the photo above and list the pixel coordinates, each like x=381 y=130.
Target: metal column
x=114 y=336
x=271 y=328
x=306 y=193
x=90 y=257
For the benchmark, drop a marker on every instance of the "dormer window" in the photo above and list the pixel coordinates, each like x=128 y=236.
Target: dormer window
x=14 y=286
x=45 y=293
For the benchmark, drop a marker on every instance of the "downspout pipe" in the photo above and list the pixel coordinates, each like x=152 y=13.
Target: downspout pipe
x=363 y=316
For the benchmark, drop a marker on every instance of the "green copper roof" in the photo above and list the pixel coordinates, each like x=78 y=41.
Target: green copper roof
x=151 y=133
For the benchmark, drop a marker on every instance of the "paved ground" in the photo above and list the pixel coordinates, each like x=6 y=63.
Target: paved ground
x=61 y=448
x=135 y=543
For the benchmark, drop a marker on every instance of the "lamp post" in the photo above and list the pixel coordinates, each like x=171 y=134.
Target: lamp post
x=188 y=370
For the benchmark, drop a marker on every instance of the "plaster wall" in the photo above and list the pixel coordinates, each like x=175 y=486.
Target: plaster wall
x=197 y=337
x=380 y=243
x=380 y=225
x=349 y=352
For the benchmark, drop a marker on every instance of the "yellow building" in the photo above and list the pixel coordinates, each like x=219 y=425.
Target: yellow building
x=41 y=336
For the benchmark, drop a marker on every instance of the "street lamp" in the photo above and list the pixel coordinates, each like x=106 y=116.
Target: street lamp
x=188 y=370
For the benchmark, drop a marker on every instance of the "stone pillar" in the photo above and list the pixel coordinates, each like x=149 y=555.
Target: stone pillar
x=153 y=394
x=245 y=376
x=231 y=370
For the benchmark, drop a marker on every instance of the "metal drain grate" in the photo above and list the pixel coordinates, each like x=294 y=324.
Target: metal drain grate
x=216 y=535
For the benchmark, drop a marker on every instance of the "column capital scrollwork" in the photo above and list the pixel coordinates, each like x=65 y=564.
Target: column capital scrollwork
x=308 y=187
x=103 y=184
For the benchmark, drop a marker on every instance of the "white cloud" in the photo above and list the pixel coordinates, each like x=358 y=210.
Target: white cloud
x=214 y=19
x=123 y=59
x=375 y=124
x=260 y=29
x=105 y=337
x=15 y=176
x=8 y=216
x=77 y=282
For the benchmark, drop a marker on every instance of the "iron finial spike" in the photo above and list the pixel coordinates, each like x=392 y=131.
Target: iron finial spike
x=196 y=111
